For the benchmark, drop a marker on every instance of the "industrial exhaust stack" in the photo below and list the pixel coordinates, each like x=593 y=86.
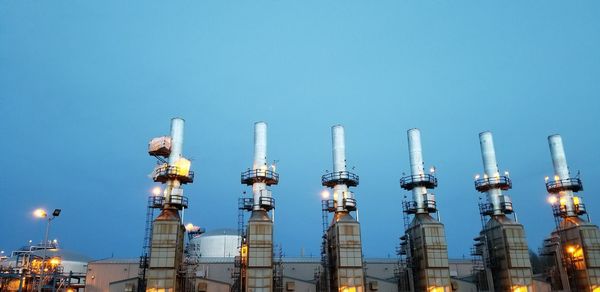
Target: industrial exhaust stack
x=573 y=249
x=423 y=246
x=166 y=243
x=501 y=244
x=255 y=264
x=342 y=248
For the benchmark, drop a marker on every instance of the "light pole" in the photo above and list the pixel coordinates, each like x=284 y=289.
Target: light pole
x=41 y=213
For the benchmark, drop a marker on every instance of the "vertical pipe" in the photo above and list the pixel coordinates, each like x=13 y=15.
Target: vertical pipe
x=417 y=167
x=177 y=125
x=260 y=146
x=488 y=153
x=259 y=189
x=339 y=164
x=561 y=170
x=176 y=140
x=559 y=158
x=490 y=166
x=339 y=148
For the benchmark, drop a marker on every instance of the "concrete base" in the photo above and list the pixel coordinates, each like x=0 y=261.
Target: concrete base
x=428 y=254
x=344 y=253
x=506 y=257
x=166 y=252
x=259 y=269
x=573 y=256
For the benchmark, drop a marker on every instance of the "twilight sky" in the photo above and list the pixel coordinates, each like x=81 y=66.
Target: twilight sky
x=85 y=84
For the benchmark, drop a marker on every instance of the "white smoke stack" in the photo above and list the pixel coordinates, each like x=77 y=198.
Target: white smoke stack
x=259 y=189
x=339 y=148
x=260 y=146
x=340 y=191
x=561 y=170
x=490 y=166
x=417 y=166
x=176 y=140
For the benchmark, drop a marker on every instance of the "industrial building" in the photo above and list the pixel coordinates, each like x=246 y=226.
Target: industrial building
x=572 y=252
x=423 y=248
x=187 y=258
x=501 y=244
x=342 y=260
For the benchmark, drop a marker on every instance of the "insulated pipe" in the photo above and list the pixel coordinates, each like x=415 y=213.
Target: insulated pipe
x=559 y=159
x=260 y=146
x=175 y=155
x=490 y=167
x=339 y=148
x=176 y=140
x=416 y=167
x=259 y=189
x=561 y=170
x=340 y=191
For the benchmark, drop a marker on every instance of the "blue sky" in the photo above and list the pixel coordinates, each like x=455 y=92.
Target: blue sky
x=85 y=84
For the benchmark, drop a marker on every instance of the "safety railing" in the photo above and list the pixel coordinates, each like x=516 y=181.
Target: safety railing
x=496 y=182
x=567 y=184
x=340 y=177
x=420 y=180
x=165 y=173
x=266 y=176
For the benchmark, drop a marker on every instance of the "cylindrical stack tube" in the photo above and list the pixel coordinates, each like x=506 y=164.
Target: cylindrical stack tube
x=259 y=189
x=176 y=140
x=260 y=146
x=339 y=148
x=340 y=191
x=561 y=170
x=176 y=153
x=490 y=166
x=416 y=166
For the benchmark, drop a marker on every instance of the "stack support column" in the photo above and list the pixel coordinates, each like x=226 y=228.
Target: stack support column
x=259 y=236
x=166 y=249
x=425 y=237
x=344 y=249
x=502 y=241
x=573 y=249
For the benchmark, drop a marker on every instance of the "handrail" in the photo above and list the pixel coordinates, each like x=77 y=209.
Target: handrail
x=425 y=180
x=259 y=175
x=495 y=182
x=165 y=172
x=571 y=184
x=340 y=177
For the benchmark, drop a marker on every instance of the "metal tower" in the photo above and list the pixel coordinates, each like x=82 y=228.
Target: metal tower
x=256 y=253
x=573 y=249
x=424 y=243
x=343 y=261
x=166 y=247
x=501 y=243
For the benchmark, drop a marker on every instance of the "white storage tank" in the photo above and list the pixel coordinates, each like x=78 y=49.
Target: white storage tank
x=216 y=243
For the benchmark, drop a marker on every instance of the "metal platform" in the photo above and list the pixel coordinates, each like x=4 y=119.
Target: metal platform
x=561 y=210
x=486 y=209
x=174 y=200
x=499 y=182
x=165 y=173
x=252 y=176
x=567 y=184
x=247 y=204
x=410 y=207
x=341 y=177
x=425 y=180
